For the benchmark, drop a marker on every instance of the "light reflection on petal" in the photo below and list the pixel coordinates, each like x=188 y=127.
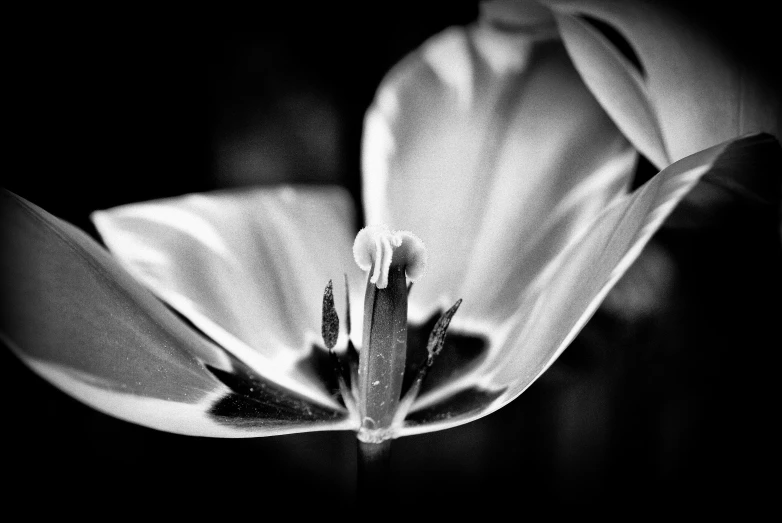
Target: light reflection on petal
x=700 y=94
x=496 y=156
x=246 y=268
x=75 y=317
x=617 y=85
x=561 y=302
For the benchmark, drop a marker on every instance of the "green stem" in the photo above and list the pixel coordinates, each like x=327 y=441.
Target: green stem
x=374 y=466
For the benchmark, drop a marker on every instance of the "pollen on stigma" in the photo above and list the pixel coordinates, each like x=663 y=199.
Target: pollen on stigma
x=377 y=247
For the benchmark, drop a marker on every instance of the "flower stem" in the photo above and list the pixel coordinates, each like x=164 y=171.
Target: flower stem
x=374 y=466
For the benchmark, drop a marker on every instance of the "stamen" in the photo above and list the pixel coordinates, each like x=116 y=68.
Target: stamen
x=330 y=333
x=437 y=337
x=433 y=348
x=330 y=324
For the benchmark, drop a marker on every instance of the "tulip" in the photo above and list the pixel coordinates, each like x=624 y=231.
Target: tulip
x=508 y=147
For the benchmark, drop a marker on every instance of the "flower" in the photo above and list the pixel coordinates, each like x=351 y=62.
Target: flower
x=507 y=152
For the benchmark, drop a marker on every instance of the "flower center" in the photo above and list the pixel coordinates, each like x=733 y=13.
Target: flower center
x=393 y=259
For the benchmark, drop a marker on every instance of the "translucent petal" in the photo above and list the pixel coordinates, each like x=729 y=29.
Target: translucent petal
x=247 y=268
x=617 y=84
x=479 y=129
x=699 y=94
x=83 y=323
x=563 y=298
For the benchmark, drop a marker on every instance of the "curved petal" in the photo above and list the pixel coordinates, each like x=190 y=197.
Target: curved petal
x=699 y=94
x=247 y=268
x=479 y=129
x=564 y=298
x=80 y=321
x=617 y=84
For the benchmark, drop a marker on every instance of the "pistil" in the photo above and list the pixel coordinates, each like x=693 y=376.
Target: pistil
x=384 y=349
x=391 y=259
x=372 y=385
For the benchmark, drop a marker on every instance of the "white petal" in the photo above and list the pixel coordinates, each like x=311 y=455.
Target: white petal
x=616 y=84
x=567 y=294
x=487 y=145
x=699 y=94
x=247 y=268
x=80 y=321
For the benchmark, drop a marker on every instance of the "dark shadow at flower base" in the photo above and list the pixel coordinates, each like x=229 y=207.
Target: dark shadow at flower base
x=459 y=405
x=256 y=402
x=461 y=353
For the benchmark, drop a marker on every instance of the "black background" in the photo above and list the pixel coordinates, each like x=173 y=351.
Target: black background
x=116 y=106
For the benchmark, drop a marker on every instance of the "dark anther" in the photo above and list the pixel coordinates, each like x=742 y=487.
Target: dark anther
x=433 y=347
x=330 y=325
x=437 y=338
x=330 y=332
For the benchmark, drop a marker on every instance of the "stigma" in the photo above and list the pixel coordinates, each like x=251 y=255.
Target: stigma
x=378 y=248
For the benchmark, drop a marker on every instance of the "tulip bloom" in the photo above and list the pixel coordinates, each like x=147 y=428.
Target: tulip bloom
x=508 y=147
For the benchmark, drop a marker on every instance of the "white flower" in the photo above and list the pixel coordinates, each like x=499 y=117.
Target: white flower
x=507 y=146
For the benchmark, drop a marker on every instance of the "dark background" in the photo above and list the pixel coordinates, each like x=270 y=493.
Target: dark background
x=666 y=397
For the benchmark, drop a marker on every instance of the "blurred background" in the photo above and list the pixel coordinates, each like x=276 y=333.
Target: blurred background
x=667 y=396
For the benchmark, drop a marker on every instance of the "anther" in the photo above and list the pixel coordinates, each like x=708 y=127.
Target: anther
x=330 y=333
x=433 y=348
x=330 y=323
x=437 y=337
